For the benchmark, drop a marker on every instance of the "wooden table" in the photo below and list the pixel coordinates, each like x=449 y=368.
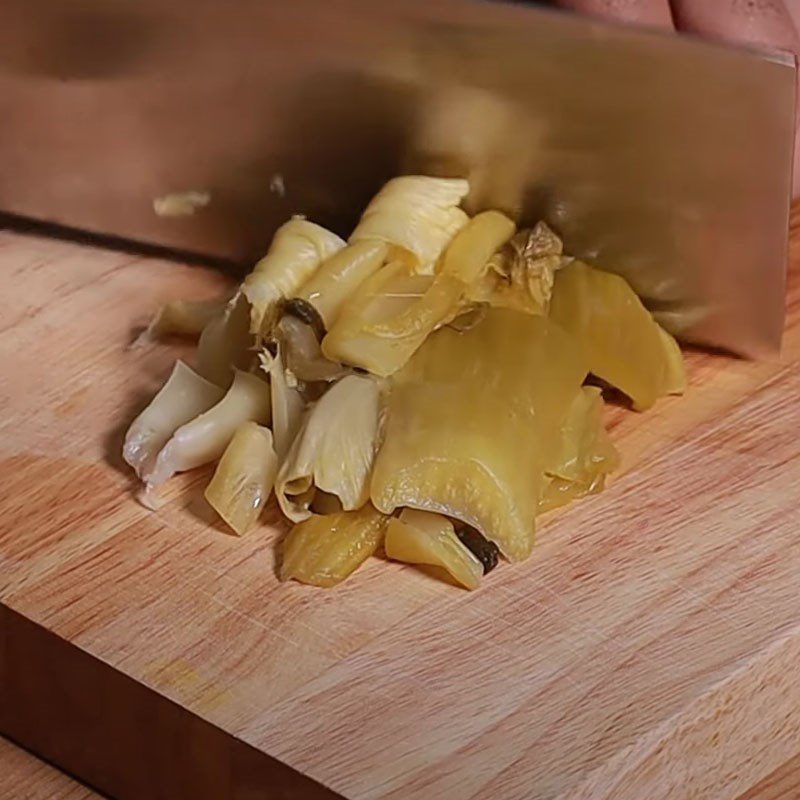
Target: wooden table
x=648 y=648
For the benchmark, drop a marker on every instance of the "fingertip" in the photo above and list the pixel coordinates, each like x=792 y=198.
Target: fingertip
x=654 y=13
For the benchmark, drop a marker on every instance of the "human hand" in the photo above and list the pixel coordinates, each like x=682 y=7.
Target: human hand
x=772 y=24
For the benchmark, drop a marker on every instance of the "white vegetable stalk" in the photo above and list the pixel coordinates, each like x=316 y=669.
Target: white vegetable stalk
x=244 y=477
x=287 y=404
x=297 y=250
x=184 y=317
x=334 y=449
x=180 y=399
x=332 y=285
x=416 y=214
x=205 y=438
x=225 y=343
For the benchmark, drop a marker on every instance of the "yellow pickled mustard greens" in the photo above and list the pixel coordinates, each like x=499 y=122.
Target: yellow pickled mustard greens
x=324 y=550
x=417 y=215
x=334 y=282
x=244 y=477
x=384 y=345
x=624 y=344
x=469 y=252
x=333 y=450
x=183 y=397
x=476 y=339
x=472 y=421
x=585 y=455
x=184 y=317
x=521 y=274
x=225 y=343
x=386 y=294
x=302 y=353
x=286 y=403
x=420 y=537
x=204 y=438
x=297 y=250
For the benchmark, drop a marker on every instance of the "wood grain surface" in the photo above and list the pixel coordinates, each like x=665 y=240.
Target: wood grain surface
x=647 y=649
x=22 y=775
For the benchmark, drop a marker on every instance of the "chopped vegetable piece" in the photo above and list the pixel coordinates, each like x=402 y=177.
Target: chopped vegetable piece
x=298 y=248
x=624 y=344
x=323 y=551
x=180 y=204
x=469 y=252
x=286 y=402
x=244 y=477
x=302 y=353
x=330 y=287
x=205 y=438
x=417 y=214
x=401 y=334
x=389 y=292
x=225 y=344
x=180 y=399
x=301 y=309
x=521 y=274
x=472 y=421
x=585 y=455
x=420 y=537
x=184 y=317
x=334 y=449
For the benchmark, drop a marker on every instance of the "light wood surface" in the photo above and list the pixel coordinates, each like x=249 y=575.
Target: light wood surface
x=647 y=649
x=26 y=777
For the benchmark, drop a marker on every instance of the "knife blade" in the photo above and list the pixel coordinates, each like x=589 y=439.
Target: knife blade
x=660 y=157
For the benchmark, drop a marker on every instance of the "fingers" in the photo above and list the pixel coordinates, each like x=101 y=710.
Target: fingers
x=761 y=22
x=767 y=23
x=793 y=7
x=641 y=12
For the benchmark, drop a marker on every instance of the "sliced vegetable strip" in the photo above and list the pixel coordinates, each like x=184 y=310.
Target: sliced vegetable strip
x=472 y=421
x=244 y=477
x=324 y=550
x=624 y=344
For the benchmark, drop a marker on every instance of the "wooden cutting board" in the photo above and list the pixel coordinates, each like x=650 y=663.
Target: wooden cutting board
x=648 y=648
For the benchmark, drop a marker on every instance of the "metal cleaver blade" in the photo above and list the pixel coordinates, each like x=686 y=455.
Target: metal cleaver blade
x=661 y=157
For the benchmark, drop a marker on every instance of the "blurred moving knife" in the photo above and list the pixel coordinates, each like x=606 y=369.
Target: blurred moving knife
x=661 y=157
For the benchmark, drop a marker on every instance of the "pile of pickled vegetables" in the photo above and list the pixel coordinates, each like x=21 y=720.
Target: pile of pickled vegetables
x=419 y=389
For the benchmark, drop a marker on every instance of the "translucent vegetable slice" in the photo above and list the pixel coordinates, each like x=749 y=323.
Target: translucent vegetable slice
x=205 y=438
x=324 y=550
x=388 y=293
x=329 y=288
x=625 y=346
x=418 y=215
x=297 y=250
x=420 y=537
x=334 y=449
x=472 y=421
x=585 y=455
x=287 y=404
x=226 y=343
x=244 y=477
x=521 y=274
x=185 y=317
x=185 y=395
x=385 y=345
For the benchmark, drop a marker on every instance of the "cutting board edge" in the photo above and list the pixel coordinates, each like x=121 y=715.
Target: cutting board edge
x=56 y=696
